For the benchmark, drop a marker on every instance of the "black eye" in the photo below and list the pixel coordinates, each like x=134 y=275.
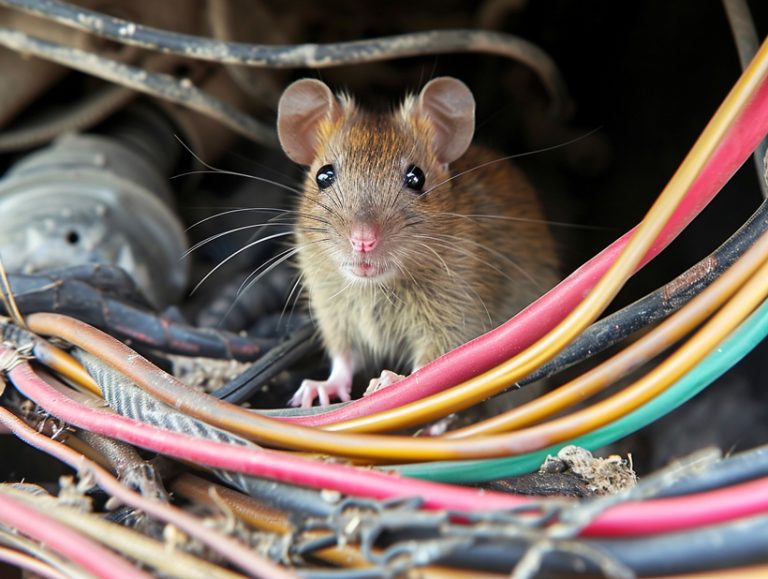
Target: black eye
x=326 y=176
x=414 y=178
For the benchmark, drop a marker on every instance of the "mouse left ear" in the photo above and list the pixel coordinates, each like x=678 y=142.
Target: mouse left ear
x=449 y=105
x=302 y=107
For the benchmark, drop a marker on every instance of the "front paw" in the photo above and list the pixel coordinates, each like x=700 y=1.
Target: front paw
x=323 y=390
x=387 y=378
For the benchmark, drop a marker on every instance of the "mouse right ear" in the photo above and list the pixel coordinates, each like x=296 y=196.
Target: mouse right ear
x=302 y=107
x=449 y=105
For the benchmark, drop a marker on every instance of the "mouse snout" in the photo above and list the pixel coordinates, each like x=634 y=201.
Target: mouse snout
x=364 y=237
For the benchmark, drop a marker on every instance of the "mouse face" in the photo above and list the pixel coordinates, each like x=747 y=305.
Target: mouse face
x=368 y=204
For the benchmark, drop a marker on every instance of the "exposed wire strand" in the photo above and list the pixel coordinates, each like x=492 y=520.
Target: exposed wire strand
x=119 y=538
x=647 y=517
x=231 y=549
x=61 y=538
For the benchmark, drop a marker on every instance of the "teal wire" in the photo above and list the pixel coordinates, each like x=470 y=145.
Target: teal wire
x=742 y=341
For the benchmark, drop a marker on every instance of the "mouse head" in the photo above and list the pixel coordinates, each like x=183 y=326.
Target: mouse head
x=371 y=176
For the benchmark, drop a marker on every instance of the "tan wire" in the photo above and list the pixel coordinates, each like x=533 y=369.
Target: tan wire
x=123 y=540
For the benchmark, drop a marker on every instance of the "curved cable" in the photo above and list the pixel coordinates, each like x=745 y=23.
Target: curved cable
x=525 y=328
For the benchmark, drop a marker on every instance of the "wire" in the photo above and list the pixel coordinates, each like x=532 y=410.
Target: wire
x=42 y=553
x=306 y=55
x=83 y=114
x=744 y=34
x=742 y=341
x=161 y=85
x=282 y=356
x=718 y=547
x=259 y=515
x=62 y=539
x=632 y=357
x=647 y=517
x=48 y=354
x=529 y=325
x=657 y=305
x=229 y=548
x=736 y=468
x=197 y=404
x=119 y=538
x=22 y=561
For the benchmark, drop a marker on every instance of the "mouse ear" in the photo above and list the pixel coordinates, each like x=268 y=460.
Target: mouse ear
x=303 y=105
x=449 y=105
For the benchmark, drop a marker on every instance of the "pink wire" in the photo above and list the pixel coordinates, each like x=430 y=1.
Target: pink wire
x=654 y=516
x=28 y=563
x=60 y=538
x=684 y=512
x=493 y=348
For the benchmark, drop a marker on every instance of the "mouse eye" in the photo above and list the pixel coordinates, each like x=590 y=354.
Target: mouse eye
x=326 y=176
x=414 y=178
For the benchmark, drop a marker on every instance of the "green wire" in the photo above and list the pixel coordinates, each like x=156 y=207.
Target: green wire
x=742 y=341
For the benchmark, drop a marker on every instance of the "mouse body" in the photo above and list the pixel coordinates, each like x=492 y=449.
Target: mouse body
x=411 y=241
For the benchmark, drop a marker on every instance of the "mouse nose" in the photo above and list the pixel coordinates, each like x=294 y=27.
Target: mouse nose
x=364 y=237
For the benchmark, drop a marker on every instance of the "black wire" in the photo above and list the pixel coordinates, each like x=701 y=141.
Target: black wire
x=301 y=343
x=305 y=55
x=739 y=543
x=742 y=467
x=659 y=304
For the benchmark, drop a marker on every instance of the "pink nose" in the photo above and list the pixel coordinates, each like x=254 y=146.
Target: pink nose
x=364 y=238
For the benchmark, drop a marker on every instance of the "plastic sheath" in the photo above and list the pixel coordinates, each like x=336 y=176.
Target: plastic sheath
x=662 y=515
x=79 y=549
x=236 y=552
x=525 y=328
x=18 y=559
x=753 y=331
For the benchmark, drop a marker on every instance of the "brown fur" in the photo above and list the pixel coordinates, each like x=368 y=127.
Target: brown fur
x=460 y=267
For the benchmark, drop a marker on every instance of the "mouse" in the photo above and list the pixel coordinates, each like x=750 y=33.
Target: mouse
x=410 y=239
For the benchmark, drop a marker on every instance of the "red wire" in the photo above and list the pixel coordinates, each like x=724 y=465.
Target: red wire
x=684 y=512
x=653 y=516
x=493 y=348
x=81 y=550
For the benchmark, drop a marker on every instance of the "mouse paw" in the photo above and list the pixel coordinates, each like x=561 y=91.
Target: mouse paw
x=323 y=390
x=387 y=378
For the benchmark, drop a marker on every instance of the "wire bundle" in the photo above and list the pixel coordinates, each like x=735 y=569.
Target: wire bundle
x=711 y=523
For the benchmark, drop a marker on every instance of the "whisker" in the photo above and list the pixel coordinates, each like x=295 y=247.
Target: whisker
x=216 y=236
x=510 y=157
x=265 y=267
x=528 y=220
x=236 y=253
x=242 y=289
x=237 y=210
x=214 y=170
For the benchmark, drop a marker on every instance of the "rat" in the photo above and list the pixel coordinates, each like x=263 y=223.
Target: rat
x=411 y=240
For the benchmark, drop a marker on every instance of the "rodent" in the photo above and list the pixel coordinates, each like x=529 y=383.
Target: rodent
x=411 y=241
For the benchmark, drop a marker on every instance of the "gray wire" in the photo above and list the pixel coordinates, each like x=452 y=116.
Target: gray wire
x=127 y=399
x=307 y=55
x=77 y=117
x=161 y=85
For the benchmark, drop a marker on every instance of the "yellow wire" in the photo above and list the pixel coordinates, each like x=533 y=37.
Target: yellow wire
x=61 y=361
x=499 y=378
